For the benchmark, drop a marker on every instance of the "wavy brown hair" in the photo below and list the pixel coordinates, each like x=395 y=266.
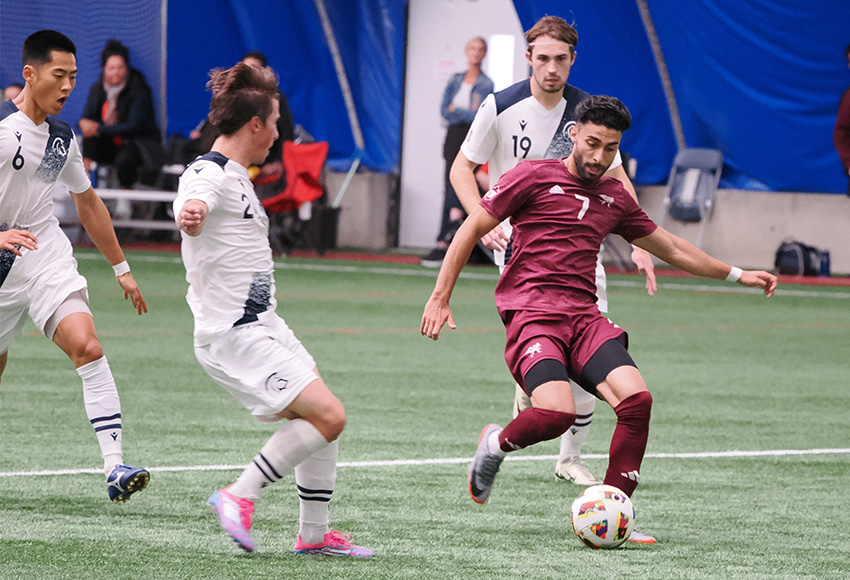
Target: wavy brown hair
x=239 y=94
x=556 y=28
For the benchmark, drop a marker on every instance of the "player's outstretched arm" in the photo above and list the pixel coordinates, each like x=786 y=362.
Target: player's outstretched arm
x=191 y=217
x=685 y=256
x=437 y=310
x=462 y=177
x=98 y=225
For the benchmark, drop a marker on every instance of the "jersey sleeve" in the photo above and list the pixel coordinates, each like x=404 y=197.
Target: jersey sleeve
x=202 y=180
x=482 y=138
x=74 y=174
x=634 y=223
x=510 y=193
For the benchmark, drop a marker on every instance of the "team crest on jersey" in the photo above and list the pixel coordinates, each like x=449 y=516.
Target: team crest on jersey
x=606 y=200
x=534 y=349
x=59 y=147
x=566 y=132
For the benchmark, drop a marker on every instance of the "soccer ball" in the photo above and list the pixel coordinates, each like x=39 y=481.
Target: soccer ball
x=603 y=517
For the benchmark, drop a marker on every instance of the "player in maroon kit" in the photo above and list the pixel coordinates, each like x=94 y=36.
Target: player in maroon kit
x=561 y=210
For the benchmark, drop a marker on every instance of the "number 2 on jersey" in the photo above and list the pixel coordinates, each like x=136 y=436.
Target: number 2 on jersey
x=247 y=215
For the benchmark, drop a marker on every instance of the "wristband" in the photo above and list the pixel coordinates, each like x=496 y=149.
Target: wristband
x=734 y=274
x=121 y=269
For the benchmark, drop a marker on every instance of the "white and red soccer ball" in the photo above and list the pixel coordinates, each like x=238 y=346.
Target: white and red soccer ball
x=603 y=517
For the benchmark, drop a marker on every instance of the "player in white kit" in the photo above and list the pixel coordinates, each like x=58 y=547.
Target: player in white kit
x=531 y=120
x=239 y=339
x=38 y=273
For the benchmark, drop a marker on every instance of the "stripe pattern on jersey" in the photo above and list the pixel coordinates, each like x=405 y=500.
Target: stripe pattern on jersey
x=55 y=152
x=259 y=298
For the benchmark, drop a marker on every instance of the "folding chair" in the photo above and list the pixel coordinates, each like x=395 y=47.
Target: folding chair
x=692 y=187
x=302 y=164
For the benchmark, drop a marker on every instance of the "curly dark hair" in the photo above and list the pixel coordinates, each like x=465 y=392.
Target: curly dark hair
x=603 y=110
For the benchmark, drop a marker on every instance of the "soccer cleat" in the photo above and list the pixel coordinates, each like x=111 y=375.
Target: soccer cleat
x=124 y=481
x=234 y=515
x=484 y=467
x=521 y=401
x=637 y=538
x=574 y=469
x=335 y=544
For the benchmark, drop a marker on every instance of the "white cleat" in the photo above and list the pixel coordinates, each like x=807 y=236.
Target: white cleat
x=637 y=538
x=574 y=470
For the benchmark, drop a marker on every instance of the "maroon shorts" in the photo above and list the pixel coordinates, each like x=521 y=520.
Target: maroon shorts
x=572 y=339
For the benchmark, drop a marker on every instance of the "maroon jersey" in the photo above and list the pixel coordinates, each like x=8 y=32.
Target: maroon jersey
x=559 y=225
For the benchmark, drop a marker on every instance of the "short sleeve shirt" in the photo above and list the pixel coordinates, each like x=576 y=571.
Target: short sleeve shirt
x=559 y=225
x=33 y=158
x=229 y=266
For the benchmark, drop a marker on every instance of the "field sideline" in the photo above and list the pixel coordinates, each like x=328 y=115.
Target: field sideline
x=455 y=460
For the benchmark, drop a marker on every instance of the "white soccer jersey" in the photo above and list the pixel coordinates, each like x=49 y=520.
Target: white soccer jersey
x=229 y=265
x=32 y=159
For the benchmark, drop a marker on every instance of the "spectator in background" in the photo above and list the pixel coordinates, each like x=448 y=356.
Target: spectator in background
x=119 y=123
x=841 y=134
x=12 y=91
x=463 y=95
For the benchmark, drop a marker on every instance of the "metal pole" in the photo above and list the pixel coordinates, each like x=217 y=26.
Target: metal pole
x=661 y=65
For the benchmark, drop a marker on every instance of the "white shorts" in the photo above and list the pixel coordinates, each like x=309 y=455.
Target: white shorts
x=37 y=286
x=262 y=364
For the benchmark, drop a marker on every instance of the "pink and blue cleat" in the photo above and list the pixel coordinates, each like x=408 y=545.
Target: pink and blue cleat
x=234 y=515
x=335 y=544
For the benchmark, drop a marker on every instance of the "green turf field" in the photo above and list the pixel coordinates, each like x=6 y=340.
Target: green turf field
x=730 y=371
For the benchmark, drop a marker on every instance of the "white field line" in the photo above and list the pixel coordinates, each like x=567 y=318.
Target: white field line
x=463 y=460
x=372 y=270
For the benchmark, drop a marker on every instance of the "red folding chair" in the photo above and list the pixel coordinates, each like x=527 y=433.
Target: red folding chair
x=302 y=164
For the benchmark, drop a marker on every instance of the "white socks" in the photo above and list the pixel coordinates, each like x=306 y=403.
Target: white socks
x=493 y=445
x=573 y=439
x=290 y=445
x=315 y=478
x=103 y=409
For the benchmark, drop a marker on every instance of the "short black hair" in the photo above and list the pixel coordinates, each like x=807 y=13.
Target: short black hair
x=38 y=46
x=847 y=51
x=258 y=55
x=114 y=47
x=603 y=110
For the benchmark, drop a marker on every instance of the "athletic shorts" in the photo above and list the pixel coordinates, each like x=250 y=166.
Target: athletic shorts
x=36 y=285
x=262 y=364
x=572 y=339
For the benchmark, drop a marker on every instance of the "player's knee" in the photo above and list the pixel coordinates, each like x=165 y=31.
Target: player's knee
x=635 y=407
x=331 y=422
x=551 y=423
x=85 y=351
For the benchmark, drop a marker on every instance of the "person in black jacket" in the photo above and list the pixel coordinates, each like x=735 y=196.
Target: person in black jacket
x=119 y=123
